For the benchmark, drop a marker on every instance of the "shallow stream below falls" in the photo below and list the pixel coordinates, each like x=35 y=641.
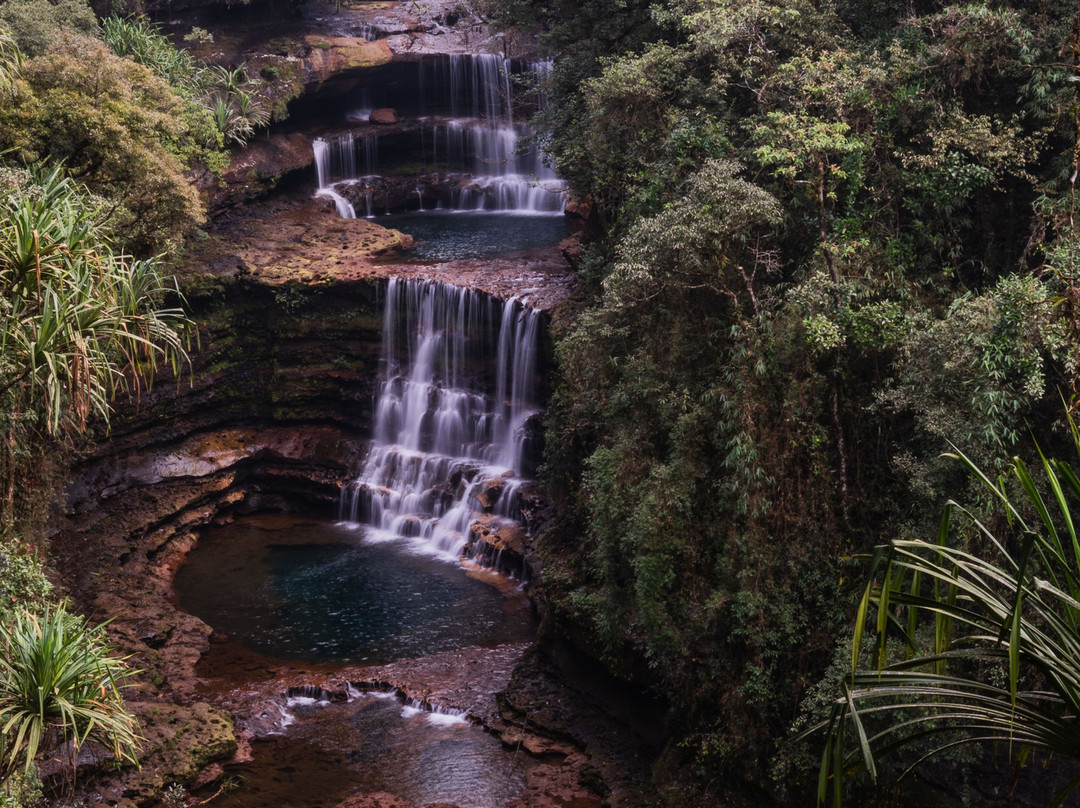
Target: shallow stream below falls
x=288 y=594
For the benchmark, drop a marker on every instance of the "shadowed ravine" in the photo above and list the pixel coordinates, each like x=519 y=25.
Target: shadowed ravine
x=453 y=435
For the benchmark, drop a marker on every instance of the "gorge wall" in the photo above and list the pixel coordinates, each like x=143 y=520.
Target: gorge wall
x=274 y=414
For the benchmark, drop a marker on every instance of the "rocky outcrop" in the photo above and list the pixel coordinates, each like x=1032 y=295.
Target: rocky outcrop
x=297 y=240
x=333 y=63
x=383 y=116
x=260 y=167
x=608 y=731
x=273 y=415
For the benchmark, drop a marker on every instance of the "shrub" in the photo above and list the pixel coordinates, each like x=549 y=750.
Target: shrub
x=36 y=24
x=22 y=583
x=59 y=684
x=990 y=635
x=117 y=127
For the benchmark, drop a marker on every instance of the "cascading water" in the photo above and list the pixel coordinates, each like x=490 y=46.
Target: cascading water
x=336 y=164
x=443 y=432
x=467 y=124
x=504 y=179
x=326 y=152
x=470 y=85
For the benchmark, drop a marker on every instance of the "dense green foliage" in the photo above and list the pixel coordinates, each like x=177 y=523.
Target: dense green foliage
x=76 y=314
x=133 y=117
x=827 y=238
x=990 y=637
x=59 y=683
x=97 y=158
x=36 y=24
x=222 y=104
x=115 y=126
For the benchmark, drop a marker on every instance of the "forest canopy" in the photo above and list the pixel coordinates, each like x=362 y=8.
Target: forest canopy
x=830 y=238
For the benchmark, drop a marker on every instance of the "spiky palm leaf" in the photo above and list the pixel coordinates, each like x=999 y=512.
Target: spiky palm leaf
x=77 y=314
x=142 y=41
x=1014 y=608
x=58 y=684
x=11 y=61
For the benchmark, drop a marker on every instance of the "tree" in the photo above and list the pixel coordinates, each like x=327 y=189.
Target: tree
x=117 y=127
x=991 y=635
x=35 y=24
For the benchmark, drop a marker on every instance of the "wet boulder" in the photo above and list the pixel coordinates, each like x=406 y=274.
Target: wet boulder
x=384 y=116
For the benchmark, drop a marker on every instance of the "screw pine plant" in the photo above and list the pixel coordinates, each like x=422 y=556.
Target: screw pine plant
x=991 y=637
x=228 y=96
x=75 y=315
x=59 y=683
x=78 y=321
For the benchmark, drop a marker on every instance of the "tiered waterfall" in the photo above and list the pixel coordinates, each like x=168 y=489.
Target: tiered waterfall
x=465 y=122
x=445 y=428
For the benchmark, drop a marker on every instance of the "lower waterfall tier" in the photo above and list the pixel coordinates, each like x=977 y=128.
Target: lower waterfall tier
x=450 y=443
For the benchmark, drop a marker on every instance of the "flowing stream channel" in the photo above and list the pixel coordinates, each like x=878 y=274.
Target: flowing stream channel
x=295 y=595
x=393 y=581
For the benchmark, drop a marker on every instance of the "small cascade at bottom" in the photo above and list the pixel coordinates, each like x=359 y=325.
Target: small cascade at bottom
x=452 y=440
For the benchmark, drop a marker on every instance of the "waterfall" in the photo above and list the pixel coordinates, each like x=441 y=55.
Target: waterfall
x=468 y=124
x=444 y=429
x=336 y=164
x=505 y=178
x=334 y=157
x=470 y=85
x=481 y=133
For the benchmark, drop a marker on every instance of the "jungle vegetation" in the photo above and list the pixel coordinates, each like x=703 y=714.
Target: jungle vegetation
x=987 y=640
x=104 y=132
x=828 y=241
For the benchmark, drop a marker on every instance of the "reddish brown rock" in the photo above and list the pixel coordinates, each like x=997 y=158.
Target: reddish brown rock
x=377 y=799
x=384 y=116
x=558 y=786
x=331 y=56
x=304 y=242
x=500 y=534
x=490 y=492
x=578 y=209
x=572 y=250
x=258 y=167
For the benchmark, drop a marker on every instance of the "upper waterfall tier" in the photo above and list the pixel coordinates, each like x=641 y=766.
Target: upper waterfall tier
x=461 y=145
x=476 y=86
x=458 y=389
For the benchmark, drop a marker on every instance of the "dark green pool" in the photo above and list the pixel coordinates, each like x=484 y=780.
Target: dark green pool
x=451 y=235
x=319 y=591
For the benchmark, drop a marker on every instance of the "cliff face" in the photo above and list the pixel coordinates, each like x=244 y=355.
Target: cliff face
x=268 y=363
x=271 y=414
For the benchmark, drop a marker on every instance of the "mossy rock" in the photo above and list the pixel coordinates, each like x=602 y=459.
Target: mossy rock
x=180 y=740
